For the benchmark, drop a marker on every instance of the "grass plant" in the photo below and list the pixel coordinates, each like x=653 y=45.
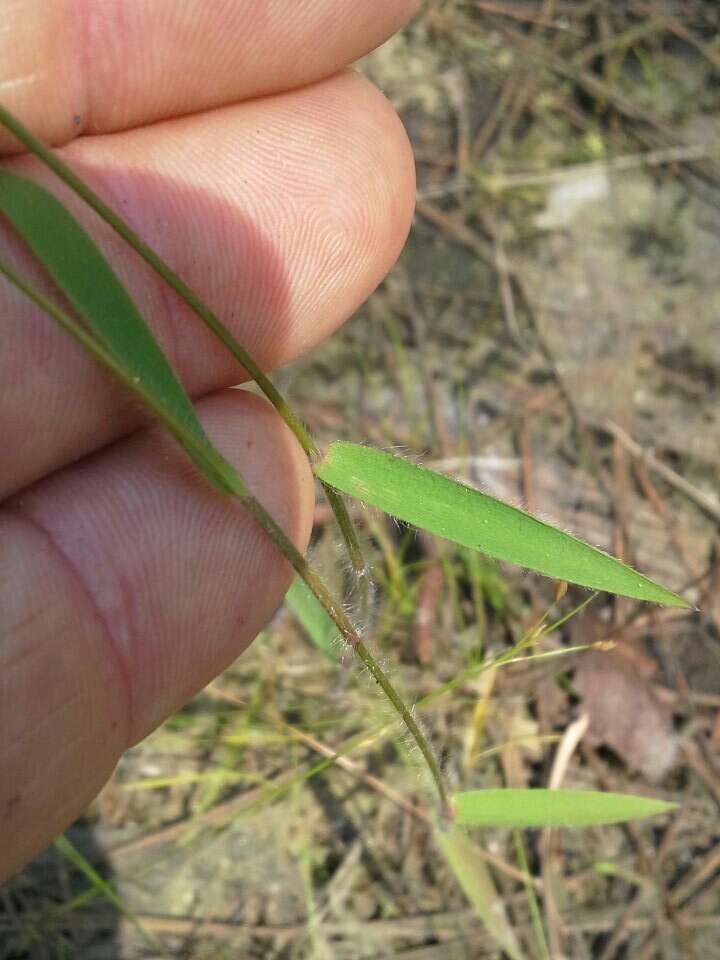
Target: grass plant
x=104 y=321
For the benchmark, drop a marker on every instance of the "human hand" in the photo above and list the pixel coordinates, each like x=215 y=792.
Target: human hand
x=282 y=191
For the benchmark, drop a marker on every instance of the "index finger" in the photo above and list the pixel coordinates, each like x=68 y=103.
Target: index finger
x=75 y=66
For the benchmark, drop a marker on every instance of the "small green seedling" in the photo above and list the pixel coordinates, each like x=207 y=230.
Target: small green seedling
x=108 y=325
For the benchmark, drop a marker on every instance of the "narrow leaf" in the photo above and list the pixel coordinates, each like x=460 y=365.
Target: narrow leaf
x=104 y=889
x=462 y=514
x=551 y=808
x=312 y=617
x=474 y=878
x=85 y=277
x=215 y=467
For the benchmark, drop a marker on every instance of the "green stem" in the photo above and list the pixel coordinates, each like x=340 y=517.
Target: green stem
x=350 y=636
x=227 y=479
x=537 y=924
x=218 y=328
x=416 y=733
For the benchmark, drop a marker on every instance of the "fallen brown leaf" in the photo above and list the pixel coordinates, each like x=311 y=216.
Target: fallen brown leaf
x=625 y=714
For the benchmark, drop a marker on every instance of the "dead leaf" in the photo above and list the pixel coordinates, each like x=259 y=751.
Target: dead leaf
x=625 y=715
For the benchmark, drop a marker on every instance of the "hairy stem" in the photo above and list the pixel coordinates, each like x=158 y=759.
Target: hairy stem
x=350 y=636
x=218 y=328
x=227 y=479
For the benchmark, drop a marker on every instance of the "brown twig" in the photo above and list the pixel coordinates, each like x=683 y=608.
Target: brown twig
x=659 y=506
x=704 y=501
x=453 y=224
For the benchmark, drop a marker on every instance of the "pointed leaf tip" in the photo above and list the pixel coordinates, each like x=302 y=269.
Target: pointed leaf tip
x=457 y=512
x=552 y=808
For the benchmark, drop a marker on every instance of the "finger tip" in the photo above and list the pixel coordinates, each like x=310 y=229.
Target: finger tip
x=387 y=166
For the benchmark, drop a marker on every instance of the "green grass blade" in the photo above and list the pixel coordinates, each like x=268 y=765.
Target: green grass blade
x=103 y=889
x=462 y=514
x=551 y=808
x=101 y=886
x=312 y=618
x=474 y=878
x=85 y=277
x=532 y=899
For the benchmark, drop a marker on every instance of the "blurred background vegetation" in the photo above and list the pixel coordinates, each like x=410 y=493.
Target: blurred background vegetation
x=551 y=334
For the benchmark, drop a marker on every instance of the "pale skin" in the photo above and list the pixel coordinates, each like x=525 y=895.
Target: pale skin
x=281 y=187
